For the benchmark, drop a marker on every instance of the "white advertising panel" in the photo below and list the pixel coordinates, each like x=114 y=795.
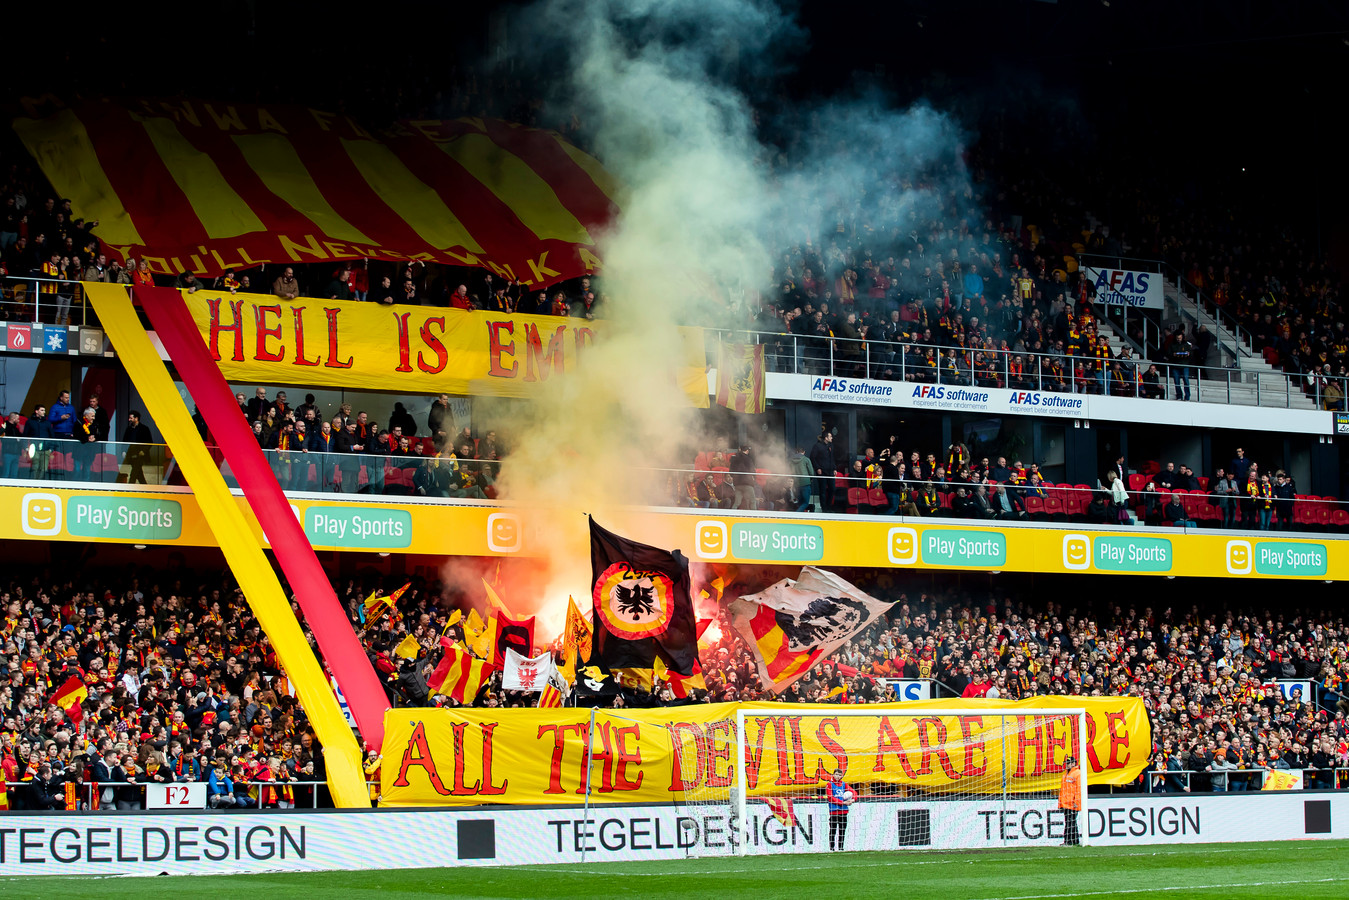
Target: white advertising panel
x=1004 y=401
x=191 y=795
x=1125 y=287
x=911 y=688
x=228 y=842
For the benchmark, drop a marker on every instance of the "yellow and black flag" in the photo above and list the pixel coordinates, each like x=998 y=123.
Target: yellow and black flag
x=576 y=641
x=740 y=377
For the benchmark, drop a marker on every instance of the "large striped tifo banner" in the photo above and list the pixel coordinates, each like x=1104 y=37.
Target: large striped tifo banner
x=207 y=187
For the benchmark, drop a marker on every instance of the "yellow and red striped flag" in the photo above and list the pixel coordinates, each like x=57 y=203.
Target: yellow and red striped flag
x=459 y=675
x=69 y=696
x=376 y=599
x=243 y=182
x=741 y=385
x=782 y=810
x=555 y=689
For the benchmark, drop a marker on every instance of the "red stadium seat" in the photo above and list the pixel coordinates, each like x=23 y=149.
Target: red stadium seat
x=1324 y=511
x=876 y=497
x=1075 y=505
x=1137 y=482
x=1054 y=506
x=1035 y=506
x=105 y=467
x=856 y=497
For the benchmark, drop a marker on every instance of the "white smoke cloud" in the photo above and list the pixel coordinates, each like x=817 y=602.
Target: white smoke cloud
x=706 y=201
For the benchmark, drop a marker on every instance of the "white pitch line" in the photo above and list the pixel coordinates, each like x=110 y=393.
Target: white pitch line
x=1179 y=887
x=952 y=857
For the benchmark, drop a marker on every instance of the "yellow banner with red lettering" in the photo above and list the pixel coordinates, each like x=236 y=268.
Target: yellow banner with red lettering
x=414 y=349
x=447 y=757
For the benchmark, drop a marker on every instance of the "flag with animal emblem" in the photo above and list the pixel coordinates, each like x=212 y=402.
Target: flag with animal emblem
x=522 y=673
x=459 y=675
x=555 y=692
x=69 y=696
x=510 y=634
x=793 y=624
x=740 y=377
x=641 y=605
x=576 y=641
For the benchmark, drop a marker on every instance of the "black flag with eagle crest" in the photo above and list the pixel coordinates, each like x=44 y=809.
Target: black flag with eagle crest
x=641 y=605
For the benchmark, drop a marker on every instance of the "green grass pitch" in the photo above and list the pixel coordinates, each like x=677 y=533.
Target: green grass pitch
x=1302 y=870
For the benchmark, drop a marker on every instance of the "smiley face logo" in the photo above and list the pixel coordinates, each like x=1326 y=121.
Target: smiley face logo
x=41 y=514
x=1076 y=551
x=503 y=533
x=901 y=545
x=1239 y=557
x=710 y=539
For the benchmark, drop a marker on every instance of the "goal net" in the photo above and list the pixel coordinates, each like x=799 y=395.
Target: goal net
x=702 y=817
x=874 y=778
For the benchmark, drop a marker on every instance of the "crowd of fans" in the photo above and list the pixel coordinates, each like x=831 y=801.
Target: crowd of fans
x=351 y=453
x=1241 y=494
x=183 y=686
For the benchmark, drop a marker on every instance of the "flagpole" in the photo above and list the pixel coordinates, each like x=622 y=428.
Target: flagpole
x=585 y=816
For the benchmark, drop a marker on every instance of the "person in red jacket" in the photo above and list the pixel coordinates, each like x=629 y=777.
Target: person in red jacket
x=978 y=686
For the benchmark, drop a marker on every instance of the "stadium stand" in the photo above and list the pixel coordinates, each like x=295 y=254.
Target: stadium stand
x=180 y=684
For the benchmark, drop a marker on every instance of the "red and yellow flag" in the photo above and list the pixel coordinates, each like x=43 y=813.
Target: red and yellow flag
x=550 y=698
x=459 y=675
x=740 y=377
x=376 y=600
x=209 y=187
x=793 y=624
x=69 y=696
x=782 y=810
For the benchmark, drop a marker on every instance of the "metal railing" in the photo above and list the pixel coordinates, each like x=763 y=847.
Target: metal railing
x=50 y=301
x=821 y=355
x=1167 y=781
x=859 y=493
x=306 y=795
x=98 y=462
x=1203 y=303
x=710 y=486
